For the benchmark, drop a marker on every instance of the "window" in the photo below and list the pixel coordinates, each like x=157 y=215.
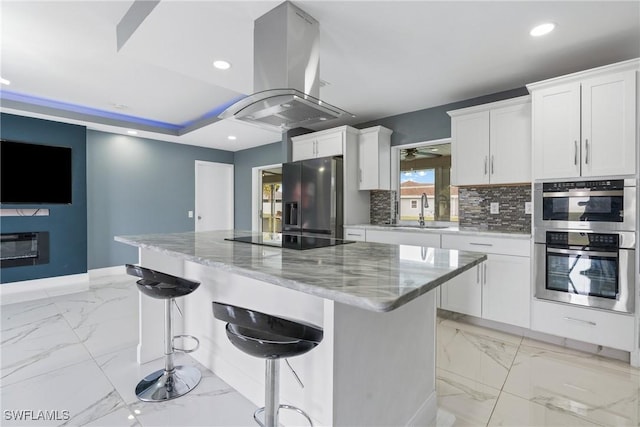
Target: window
x=426 y=169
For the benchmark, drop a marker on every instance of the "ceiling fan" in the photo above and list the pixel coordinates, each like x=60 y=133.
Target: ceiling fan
x=415 y=152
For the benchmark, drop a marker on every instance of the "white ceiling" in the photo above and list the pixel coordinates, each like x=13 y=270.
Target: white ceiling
x=380 y=58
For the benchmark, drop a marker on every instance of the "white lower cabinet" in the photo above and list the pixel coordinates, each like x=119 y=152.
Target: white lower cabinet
x=584 y=324
x=499 y=289
x=416 y=238
x=463 y=293
x=357 y=234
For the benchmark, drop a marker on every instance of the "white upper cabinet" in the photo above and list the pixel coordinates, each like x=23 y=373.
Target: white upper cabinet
x=491 y=143
x=584 y=124
x=374 y=158
x=318 y=144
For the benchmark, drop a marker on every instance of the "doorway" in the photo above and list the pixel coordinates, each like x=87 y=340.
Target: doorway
x=214 y=196
x=267 y=199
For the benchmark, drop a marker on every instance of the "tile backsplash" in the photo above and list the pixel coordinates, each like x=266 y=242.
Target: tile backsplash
x=475 y=203
x=382 y=206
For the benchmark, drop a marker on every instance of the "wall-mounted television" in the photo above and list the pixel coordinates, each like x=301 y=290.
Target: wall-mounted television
x=34 y=173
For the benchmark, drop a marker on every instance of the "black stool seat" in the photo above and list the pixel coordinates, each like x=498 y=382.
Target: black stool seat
x=266 y=336
x=161 y=285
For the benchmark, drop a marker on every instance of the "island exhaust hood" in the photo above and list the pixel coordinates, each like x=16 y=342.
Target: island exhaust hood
x=286 y=78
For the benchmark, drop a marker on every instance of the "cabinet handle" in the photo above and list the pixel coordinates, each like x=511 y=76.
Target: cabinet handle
x=588 y=322
x=315 y=148
x=485 y=165
x=353 y=234
x=575 y=152
x=484 y=273
x=586 y=155
x=480 y=244
x=361 y=175
x=478 y=273
x=492 y=164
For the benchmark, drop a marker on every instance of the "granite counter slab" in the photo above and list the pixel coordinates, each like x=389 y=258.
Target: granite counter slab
x=372 y=276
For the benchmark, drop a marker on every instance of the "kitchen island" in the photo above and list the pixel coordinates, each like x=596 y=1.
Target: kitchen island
x=375 y=302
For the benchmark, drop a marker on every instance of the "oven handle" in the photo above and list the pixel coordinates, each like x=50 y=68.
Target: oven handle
x=588 y=253
x=583 y=193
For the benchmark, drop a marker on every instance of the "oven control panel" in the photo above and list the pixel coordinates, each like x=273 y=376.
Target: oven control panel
x=600 y=185
x=587 y=240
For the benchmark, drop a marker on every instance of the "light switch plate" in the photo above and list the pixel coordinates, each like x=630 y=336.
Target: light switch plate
x=527 y=208
x=190 y=214
x=494 y=208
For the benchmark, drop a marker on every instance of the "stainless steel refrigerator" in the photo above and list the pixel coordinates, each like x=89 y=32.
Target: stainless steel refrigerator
x=312 y=197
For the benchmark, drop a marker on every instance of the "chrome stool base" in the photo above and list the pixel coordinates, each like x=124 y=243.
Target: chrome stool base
x=289 y=407
x=164 y=385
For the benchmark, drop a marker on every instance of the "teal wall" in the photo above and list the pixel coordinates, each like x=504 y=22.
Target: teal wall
x=66 y=224
x=244 y=162
x=137 y=186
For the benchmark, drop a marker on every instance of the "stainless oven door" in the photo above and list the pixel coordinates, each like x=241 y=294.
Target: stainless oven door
x=600 y=279
x=583 y=209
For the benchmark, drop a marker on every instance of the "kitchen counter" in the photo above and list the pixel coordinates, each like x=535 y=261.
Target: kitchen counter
x=454 y=229
x=375 y=302
x=371 y=276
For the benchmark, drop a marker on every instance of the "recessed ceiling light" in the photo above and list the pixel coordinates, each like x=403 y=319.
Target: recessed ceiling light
x=231 y=138
x=119 y=106
x=542 y=29
x=4 y=81
x=221 y=64
x=434 y=149
x=132 y=132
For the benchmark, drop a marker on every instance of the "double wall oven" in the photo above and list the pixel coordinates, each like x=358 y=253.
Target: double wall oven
x=585 y=243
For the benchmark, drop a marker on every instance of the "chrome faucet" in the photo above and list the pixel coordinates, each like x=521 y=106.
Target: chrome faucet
x=424 y=203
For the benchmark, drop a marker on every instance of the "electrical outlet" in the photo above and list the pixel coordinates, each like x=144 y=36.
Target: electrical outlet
x=494 y=208
x=527 y=208
x=190 y=214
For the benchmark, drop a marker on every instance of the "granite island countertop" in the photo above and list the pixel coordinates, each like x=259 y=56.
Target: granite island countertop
x=372 y=276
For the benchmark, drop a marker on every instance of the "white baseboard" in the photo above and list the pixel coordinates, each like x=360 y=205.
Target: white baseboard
x=426 y=414
x=28 y=290
x=107 y=271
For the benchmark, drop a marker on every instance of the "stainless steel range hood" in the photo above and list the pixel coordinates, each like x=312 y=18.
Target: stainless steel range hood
x=286 y=78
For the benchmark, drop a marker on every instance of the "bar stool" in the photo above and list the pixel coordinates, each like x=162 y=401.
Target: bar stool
x=271 y=338
x=172 y=381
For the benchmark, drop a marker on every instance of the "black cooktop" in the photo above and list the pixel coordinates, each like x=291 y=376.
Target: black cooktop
x=290 y=241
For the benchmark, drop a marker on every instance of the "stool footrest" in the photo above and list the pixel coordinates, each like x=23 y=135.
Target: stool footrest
x=184 y=350
x=288 y=407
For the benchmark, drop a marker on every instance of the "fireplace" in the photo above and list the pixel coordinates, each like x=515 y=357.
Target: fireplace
x=20 y=249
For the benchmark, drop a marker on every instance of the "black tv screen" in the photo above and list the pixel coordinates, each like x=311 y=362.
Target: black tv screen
x=34 y=173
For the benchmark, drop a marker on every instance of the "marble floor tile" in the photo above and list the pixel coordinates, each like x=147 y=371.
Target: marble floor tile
x=81 y=390
x=474 y=354
x=97 y=306
x=35 y=320
x=110 y=335
x=479 y=330
x=563 y=383
x=470 y=402
x=30 y=357
x=513 y=411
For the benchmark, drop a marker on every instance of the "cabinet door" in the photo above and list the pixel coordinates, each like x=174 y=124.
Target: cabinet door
x=556 y=131
x=357 y=234
x=303 y=149
x=608 y=125
x=425 y=239
x=329 y=145
x=373 y=162
x=506 y=293
x=463 y=293
x=510 y=146
x=470 y=149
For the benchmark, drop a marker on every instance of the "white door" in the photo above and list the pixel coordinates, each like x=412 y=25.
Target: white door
x=463 y=293
x=214 y=196
x=510 y=130
x=506 y=295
